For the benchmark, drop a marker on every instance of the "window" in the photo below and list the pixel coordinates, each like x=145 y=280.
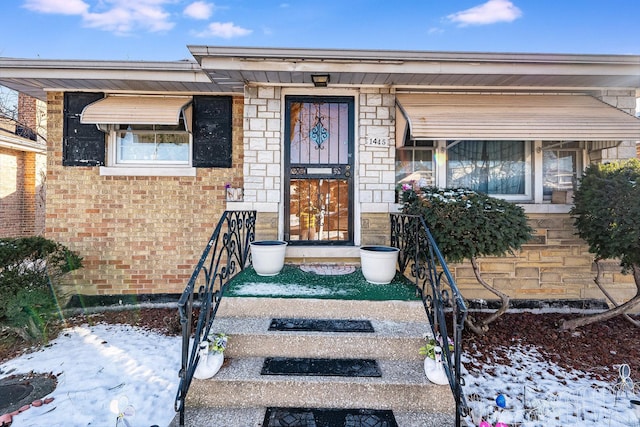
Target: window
x=492 y=167
x=414 y=163
x=152 y=144
x=503 y=169
x=561 y=162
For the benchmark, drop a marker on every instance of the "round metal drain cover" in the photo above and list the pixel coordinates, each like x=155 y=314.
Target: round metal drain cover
x=19 y=390
x=13 y=393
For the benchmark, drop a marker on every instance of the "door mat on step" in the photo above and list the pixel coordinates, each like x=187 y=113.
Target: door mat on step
x=311 y=417
x=321 y=325
x=321 y=367
x=327 y=269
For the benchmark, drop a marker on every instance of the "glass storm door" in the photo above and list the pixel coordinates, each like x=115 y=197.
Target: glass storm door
x=319 y=170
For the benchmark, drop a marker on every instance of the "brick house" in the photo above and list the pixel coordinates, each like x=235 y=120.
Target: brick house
x=22 y=168
x=140 y=154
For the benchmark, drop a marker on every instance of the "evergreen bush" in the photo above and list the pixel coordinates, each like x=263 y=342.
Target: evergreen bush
x=606 y=213
x=467 y=225
x=30 y=267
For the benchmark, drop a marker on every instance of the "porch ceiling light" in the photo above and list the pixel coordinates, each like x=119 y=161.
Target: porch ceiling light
x=320 y=80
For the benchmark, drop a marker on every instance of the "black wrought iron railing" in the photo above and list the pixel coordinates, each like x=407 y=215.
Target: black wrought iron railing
x=226 y=254
x=420 y=260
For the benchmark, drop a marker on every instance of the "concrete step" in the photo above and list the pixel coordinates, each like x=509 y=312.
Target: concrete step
x=403 y=311
x=402 y=387
x=254 y=416
x=392 y=340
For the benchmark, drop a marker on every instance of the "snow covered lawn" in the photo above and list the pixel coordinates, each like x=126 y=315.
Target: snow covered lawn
x=102 y=366
x=540 y=393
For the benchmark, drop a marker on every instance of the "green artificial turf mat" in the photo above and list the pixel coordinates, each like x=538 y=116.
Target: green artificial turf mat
x=292 y=282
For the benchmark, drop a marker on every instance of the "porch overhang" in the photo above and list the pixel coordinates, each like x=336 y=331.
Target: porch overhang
x=139 y=109
x=425 y=116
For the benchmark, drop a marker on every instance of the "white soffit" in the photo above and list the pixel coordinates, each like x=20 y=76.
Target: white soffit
x=141 y=109
x=515 y=117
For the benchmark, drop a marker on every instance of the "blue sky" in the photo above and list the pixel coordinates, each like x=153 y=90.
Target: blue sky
x=162 y=29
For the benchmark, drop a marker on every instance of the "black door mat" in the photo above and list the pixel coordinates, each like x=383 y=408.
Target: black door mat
x=321 y=367
x=313 y=417
x=321 y=325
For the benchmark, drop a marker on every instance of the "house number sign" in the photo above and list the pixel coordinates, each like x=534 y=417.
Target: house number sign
x=377 y=141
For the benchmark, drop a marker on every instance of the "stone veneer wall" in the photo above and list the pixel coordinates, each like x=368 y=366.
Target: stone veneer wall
x=263 y=156
x=624 y=100
x=556 y=264
x=137 y=234
x=377 y=173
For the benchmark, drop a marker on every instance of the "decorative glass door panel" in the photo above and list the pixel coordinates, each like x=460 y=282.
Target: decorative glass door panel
x=319 y=170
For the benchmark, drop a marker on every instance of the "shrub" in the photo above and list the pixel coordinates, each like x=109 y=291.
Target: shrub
x=29 y=269
x=605 y=212
x=466 y=225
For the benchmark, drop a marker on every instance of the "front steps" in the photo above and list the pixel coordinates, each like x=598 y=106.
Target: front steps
x=239 y=395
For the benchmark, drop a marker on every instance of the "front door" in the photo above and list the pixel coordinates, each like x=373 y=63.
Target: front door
x=319 y=144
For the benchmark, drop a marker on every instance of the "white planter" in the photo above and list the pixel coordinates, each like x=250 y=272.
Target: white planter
x=268 y=256
x=209 y=363
x=379 y=263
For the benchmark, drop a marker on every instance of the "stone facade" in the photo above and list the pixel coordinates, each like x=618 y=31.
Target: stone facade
x=624 y=100
x=376 y=185
x=137 y=234
x=556 y=264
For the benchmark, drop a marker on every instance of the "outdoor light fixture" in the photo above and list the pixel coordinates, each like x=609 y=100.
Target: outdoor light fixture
x=320 y=80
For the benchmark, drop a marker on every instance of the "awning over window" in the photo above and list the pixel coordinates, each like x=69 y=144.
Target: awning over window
x=513 y=117
x=117 y=109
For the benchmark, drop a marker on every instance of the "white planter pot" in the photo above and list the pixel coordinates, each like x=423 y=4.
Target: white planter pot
x=268 y=256
x=209 y=363
x=379 y=263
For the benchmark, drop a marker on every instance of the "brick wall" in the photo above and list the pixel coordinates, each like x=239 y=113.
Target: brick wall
x=136 y=234
x=21 y=202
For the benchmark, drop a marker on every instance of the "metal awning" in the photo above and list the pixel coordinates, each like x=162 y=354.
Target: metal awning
x=140 y=109
x=512 y=117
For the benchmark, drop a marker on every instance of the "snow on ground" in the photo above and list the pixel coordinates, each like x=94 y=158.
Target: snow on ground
x=279 y=289
x=99 y=365
x=540 y=393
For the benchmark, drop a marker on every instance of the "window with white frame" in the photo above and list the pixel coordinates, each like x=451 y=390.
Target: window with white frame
x=561 y=166
x=500 y=168
x=151 y=145
x=414 y=163
x=493 y=167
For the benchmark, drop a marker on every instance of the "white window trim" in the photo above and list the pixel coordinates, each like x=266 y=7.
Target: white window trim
x=440 y=170
x=114 y=168
x=533 y=176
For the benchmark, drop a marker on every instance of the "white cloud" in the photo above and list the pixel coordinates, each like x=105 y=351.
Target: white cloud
x=488 y=13
x=63 y=7
x=118 y=16
x=199 y=10
x=225 y=30
x=127 y=16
